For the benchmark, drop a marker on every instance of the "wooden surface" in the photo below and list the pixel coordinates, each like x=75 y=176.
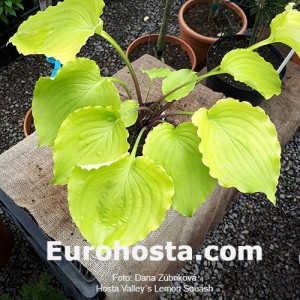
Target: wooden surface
x=26 y=170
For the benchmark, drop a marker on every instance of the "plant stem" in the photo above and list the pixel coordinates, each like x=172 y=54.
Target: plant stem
x=261 y=32
x=140 y=108
x=213 y=10
x=164 y=107
x=149 y=89
x=136 y=144
x=255 y=28
x=122 y=83
x=127 y=62
x=175 y=113
x=163 y=29
x=154 y=123
x=260 y=44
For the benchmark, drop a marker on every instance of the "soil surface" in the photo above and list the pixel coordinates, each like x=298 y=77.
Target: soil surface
x=218 y=51
x=226 y=21
x=174 y=55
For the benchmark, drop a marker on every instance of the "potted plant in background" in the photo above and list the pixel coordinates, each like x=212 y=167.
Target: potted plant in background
x=245 y=6
x=263 y=11
x=38 y=289
x=122 y=196
x=206 y=13
x=9 y=8
x=180 y=54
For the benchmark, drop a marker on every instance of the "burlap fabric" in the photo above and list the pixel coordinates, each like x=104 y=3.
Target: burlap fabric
x=26 y=170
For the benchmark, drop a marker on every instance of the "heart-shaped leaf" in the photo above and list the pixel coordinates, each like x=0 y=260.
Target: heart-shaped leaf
x=88 y=136
x=239 y=145
x=175 y=80
x=157 y=73
x=128 y=115
x=77 y=84
x=176 y=149
x=285 y=28
x=122 y=202
x=60 y=31
x=249 y=67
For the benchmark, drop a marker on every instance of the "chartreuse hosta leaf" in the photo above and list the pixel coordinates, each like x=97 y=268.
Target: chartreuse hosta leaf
x=157 y=73
x=239 y=145
x=77 y=84
x=61 y=30
x=285 y=28
x=249 y=67
x=88 y=136
x=176 y=79
x=176 y=149
x=122 y=202
x=128 y=115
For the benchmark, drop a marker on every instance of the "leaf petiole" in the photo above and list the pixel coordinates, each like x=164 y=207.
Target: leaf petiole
x=121 y=83
x=106 y=36
x=175 y=113
x=136 y=144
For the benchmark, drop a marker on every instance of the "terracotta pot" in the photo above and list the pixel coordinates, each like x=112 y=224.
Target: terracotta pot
x=200 y=43
x=154 y=37
x=27 y=123
x=6 y=242
x=296 y=59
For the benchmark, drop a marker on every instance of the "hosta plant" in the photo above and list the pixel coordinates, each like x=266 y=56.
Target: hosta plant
x=114 y=194
x=264 y=11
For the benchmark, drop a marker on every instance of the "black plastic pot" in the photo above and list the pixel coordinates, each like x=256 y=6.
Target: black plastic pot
x=218 y=84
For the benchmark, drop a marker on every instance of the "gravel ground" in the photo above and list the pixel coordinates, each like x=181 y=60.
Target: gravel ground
x=252 y=220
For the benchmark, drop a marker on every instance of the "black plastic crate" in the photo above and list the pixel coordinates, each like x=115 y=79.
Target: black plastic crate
x=76 y=279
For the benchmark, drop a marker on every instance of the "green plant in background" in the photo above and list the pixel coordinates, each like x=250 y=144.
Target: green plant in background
x=9 y=8
x=163 y=29
x=214 y=9
x=39 y=290
x=264 y=11
x=217 y=7
x=113 y=194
